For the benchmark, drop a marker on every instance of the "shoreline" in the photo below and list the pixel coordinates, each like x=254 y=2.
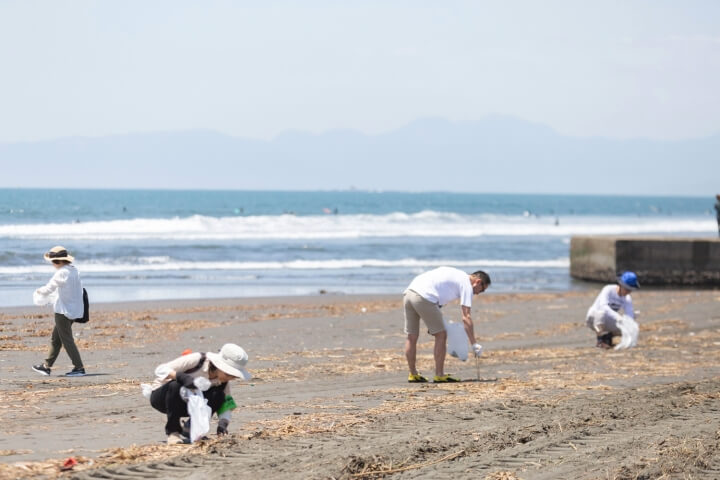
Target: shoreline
x=330 y=368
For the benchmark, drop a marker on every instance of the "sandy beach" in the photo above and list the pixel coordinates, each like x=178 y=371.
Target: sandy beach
x=329 y=397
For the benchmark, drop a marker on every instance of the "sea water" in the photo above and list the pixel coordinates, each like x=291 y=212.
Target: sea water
x=168 y=244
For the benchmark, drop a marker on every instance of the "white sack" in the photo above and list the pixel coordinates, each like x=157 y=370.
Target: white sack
x=146 y=390
x=630 y=331
x=199 y=411
x=457 y=342
x=41 y=300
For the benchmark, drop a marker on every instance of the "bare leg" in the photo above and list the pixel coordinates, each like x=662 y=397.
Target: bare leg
x=439 y=352
x=411 y=352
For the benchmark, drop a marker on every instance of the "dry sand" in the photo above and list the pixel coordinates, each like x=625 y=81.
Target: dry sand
x=330 y=397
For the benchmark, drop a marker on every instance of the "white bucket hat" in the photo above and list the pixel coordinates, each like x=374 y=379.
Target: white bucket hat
x=231 y=360
x=58 y=253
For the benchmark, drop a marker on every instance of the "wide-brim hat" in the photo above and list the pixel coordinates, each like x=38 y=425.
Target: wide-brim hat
x=58 y=253
x=232 y=360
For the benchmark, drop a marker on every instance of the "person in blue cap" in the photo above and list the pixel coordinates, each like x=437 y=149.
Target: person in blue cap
x=613 y=301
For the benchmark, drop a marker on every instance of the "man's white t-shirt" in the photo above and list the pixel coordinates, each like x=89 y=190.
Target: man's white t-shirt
x=443 y=285
x=609 y=302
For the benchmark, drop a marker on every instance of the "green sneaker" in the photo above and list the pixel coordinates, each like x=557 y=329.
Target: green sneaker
x=417 y=378
x=445 y=379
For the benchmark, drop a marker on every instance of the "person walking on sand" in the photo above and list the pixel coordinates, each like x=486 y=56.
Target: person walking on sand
x=423 y=298
x=605 y=312
x=717 y=211
x=65 y=292
x=218 y=368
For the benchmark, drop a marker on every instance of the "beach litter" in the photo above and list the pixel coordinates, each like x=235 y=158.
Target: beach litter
x=68 y=464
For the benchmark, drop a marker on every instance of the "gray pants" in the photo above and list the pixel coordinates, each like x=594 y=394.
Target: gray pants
x=62 y=336
x=602 y=322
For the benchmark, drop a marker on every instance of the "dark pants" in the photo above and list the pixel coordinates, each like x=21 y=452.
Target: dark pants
x=167 y=399
x=62 y=336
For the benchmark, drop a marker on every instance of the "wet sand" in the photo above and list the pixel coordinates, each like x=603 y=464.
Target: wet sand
x=330 y=397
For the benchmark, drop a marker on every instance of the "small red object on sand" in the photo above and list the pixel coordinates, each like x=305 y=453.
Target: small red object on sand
x=187 y=351
x=69 y=464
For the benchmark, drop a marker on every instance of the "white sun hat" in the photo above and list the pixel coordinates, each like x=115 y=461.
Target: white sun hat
x=231 y=360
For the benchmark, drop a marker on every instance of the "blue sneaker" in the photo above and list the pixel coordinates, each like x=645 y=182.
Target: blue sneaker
x=76 y=372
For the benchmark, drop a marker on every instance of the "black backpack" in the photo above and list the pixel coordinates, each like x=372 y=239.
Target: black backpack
x=86 y=309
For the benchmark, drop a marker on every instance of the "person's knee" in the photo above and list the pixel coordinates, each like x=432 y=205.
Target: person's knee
x=440 y=336
x=173 y=388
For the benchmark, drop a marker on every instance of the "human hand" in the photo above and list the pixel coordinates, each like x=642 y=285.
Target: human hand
x=477 y=349
x=185 y=379
x=222 y=428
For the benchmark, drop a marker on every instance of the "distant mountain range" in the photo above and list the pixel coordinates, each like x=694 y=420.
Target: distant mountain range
x=495 y=154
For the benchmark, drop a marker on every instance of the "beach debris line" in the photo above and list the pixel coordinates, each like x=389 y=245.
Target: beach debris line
x=379 y=467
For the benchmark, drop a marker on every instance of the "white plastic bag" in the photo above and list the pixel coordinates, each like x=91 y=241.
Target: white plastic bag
x=630 y=331
x=457 y=342
x=146 y=390
x=41 y=300
x=199 y=411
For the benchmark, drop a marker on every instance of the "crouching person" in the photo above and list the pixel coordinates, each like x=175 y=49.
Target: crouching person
x=605 y=313
x=219 y=368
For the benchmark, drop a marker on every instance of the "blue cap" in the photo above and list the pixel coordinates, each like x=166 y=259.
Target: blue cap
x=629 y=280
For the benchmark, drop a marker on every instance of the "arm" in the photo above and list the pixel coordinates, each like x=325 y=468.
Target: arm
x=629 y=308
x=470 y=330
x=610 y=312
x=225 y=412
x=174 y=370
x=468 y=323
x=55 y=282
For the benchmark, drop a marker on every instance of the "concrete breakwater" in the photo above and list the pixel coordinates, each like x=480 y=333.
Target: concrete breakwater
x=657 y=260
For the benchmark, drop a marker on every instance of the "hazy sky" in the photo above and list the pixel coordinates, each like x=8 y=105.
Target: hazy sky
x=618 y=69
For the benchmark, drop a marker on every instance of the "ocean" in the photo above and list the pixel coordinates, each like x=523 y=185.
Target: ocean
x=169 y=244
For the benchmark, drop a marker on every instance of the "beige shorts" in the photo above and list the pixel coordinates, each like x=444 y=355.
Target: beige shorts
x=416 y=307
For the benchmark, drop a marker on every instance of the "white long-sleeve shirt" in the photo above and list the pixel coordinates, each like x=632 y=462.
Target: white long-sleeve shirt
x=612 y=304
x=68 y=300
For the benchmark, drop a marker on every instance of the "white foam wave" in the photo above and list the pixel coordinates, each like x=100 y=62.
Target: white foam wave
x=170 y=266
x=422 y=224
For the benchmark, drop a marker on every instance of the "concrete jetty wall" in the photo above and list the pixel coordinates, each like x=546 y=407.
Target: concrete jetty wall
x=656 y=260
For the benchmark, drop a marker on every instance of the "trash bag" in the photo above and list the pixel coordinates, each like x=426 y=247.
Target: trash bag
x=457 y=342
x=41 y=300
x=146 y=390
x=199 y=411
x=630 y=330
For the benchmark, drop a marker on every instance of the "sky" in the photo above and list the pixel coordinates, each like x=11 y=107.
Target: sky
x=616 y=69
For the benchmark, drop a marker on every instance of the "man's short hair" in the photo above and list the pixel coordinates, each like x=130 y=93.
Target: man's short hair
x=482 y=276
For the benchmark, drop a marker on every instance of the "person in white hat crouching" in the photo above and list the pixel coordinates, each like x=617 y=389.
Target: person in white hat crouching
x=219 y=368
